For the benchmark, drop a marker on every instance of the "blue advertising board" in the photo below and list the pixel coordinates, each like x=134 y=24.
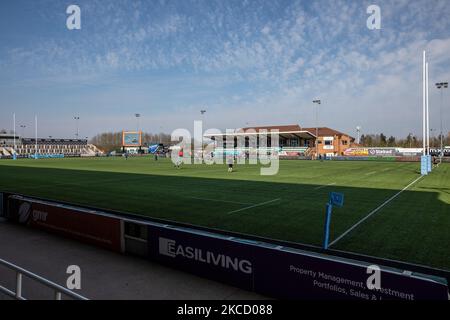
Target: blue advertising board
x=283 y=272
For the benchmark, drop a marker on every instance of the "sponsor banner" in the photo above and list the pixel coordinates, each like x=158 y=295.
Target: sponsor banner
x=356 y=152
x=382 y=152
x=289 y=275
x=408 y=159
x=80 y=224
x=409 y=152
x=359 y=158
x=47 y=156
x=210 y=257
x=285 y=273
x=437 y=152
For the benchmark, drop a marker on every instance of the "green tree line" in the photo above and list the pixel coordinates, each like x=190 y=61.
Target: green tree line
x=410 y=141
x=112 y=141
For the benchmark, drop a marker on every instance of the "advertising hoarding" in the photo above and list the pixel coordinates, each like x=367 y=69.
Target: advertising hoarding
x=356 y=152
x=382 y=152
x=285 y=272
x=270 y=269
x=80 y=224
x=295 y=275
x=215 y=258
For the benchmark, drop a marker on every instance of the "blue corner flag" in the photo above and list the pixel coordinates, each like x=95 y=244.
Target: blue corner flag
x=336 y=199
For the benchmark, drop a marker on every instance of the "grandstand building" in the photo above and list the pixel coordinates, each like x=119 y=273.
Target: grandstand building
x=331 y=142
x=29 y=147
x=294 y=140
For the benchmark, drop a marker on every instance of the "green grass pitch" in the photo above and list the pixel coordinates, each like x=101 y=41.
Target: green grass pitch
x=413 y=227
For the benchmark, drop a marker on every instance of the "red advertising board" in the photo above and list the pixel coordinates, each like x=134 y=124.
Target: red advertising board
x=76 y=223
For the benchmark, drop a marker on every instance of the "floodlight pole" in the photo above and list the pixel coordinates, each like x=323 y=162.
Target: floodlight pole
x=23 y=129
x=358 y=133
x=35 y=136
x=76 y=120
x=202 y=112
x=14 y=129
x=316 y=144
x=441 y=86
x=137 y=115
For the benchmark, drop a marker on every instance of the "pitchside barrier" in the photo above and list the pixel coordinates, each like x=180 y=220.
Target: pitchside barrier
x=378 y=158
x=274 y=268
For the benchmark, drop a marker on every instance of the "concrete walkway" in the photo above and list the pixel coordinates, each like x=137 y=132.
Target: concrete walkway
x=104 y=274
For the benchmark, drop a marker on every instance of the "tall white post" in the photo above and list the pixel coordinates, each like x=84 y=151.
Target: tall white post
x=428 y=111
x=424 y=104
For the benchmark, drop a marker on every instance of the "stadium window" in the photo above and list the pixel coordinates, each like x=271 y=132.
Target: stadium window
x=293 y=142
x=344 y=142
x=328 y=142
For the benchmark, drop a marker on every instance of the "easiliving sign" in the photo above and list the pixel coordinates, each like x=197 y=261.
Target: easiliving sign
x=170 y=248
x=283 y=272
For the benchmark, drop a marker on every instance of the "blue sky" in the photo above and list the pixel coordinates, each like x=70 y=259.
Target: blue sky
x=255 y=62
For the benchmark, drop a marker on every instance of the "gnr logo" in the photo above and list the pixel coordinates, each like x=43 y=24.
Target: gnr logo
x=39 y=216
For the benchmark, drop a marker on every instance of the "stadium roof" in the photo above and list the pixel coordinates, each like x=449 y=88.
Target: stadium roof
x=288 y=131
x=325 y=131
x=286 y=128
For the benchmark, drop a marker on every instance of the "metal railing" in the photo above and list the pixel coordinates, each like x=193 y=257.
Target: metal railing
x=20 y=272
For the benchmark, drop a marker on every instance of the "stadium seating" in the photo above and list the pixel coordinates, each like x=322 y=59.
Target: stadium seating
x=26 y=148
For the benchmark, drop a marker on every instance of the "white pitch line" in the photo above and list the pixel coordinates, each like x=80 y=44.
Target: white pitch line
x=324 y=186
x=218 y=200
x=253 y=206
x=370 y=173
x=373 y=212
